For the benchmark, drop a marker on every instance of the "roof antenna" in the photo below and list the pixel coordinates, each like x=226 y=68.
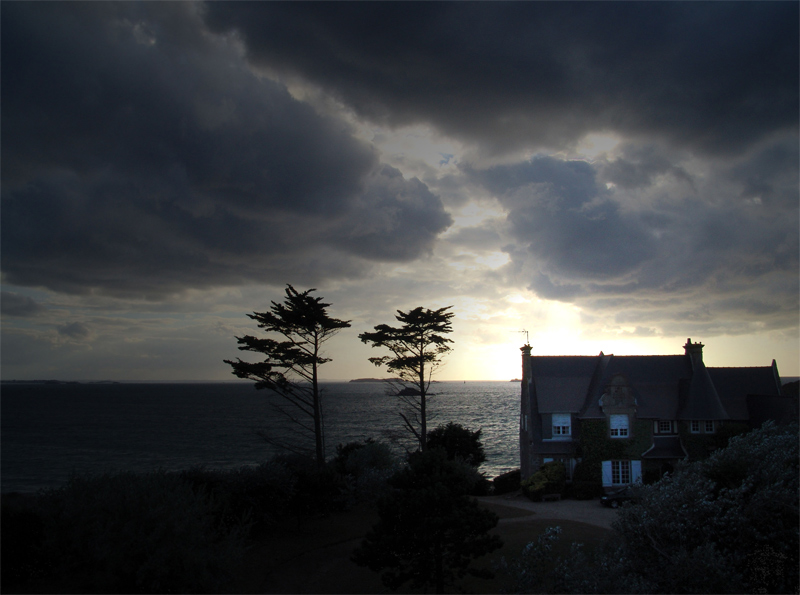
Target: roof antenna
x=527 y=340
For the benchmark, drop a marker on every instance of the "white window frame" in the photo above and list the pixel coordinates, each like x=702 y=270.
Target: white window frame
x=619 y=425
x=694 y=426
x=664 y=426
x=709 y=427
x=619 y=470
x=562 y=426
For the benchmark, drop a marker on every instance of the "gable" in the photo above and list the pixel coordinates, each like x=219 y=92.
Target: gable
x=654 y=380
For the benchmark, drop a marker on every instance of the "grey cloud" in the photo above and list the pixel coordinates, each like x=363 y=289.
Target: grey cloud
x=771 y=174
x=75 y=330
x=142 y=157
x=394 y=219
x=643 y=257
x=21 y=306
x=563 y=218
x=638 y=166
x=713 y=76
x=483 y=237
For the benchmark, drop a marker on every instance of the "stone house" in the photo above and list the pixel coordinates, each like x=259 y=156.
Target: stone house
x=615 y=420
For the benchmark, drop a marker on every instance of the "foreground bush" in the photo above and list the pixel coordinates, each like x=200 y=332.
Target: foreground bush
x=261 y=494
x=365 y=466
x=727 y=524
x=507 y=482
x=430 y=530
x=149 y=533
x=551 y=478
x=459 y=443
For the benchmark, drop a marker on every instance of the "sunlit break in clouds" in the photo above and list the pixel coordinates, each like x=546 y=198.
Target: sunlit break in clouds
x=604 y=176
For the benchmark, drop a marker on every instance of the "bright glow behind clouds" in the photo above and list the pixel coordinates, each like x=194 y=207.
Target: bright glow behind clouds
x=550 y=184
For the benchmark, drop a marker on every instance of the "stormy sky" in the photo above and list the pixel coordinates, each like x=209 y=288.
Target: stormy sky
x=606 y=176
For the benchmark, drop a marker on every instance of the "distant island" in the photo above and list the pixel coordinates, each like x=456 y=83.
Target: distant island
x=372 y=379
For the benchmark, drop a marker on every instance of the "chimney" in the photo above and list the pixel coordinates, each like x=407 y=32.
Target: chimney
x=695 y=351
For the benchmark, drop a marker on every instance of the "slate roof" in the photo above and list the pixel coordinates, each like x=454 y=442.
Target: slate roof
x=655 y=380
x=665 y=447
x=561 y=382
x=701 y=401
x=735 y=384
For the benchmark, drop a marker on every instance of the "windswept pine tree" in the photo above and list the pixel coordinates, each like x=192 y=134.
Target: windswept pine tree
x=417 y=348
x=290 y=368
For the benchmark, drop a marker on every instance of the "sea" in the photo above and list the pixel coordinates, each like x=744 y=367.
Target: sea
x=50 y=431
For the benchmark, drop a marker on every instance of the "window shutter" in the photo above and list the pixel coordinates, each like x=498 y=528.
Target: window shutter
x=655 y=427
x=561 y=419
x=607 y=474
x=636 y=471
x=619 y=422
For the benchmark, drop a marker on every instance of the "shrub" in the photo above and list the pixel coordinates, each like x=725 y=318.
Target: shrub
x=727 y=524
x=459 y=443
x=366 y=467
x=316 y=491
x=368 y=457
x=137 y=533
x=261 y=494
x=551 y=478
x=429 y=530
x=343 y=452
x=531 y=572
x=22 y=536
x=506 y=483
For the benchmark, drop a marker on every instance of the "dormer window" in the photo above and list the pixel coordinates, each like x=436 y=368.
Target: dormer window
x=619 y=425
x=562 y=425
x=702 y=426
x=666 y=427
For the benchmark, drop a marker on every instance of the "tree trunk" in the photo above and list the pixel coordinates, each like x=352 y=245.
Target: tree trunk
x=423 y=436
x=320 y=448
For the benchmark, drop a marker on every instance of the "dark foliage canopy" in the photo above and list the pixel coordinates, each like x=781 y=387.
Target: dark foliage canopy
x=727 y=524
x=459 y=443
x=429 y=531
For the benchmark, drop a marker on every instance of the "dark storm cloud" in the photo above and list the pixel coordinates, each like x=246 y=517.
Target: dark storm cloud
x=394 y=219
x=639 y=166
x=20 y=306
x=565 y=219
x=698 y=240
x=708 y=76
x=142 y=156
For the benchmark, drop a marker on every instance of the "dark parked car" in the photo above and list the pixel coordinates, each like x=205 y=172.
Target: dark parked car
x=615 y=499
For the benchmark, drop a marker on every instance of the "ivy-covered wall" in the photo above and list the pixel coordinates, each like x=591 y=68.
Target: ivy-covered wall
x=595 y=446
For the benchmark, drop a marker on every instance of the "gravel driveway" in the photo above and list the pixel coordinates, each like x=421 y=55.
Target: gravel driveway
x=584 y=511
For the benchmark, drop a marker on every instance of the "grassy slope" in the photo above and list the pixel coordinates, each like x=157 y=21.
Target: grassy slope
x=315 y=558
